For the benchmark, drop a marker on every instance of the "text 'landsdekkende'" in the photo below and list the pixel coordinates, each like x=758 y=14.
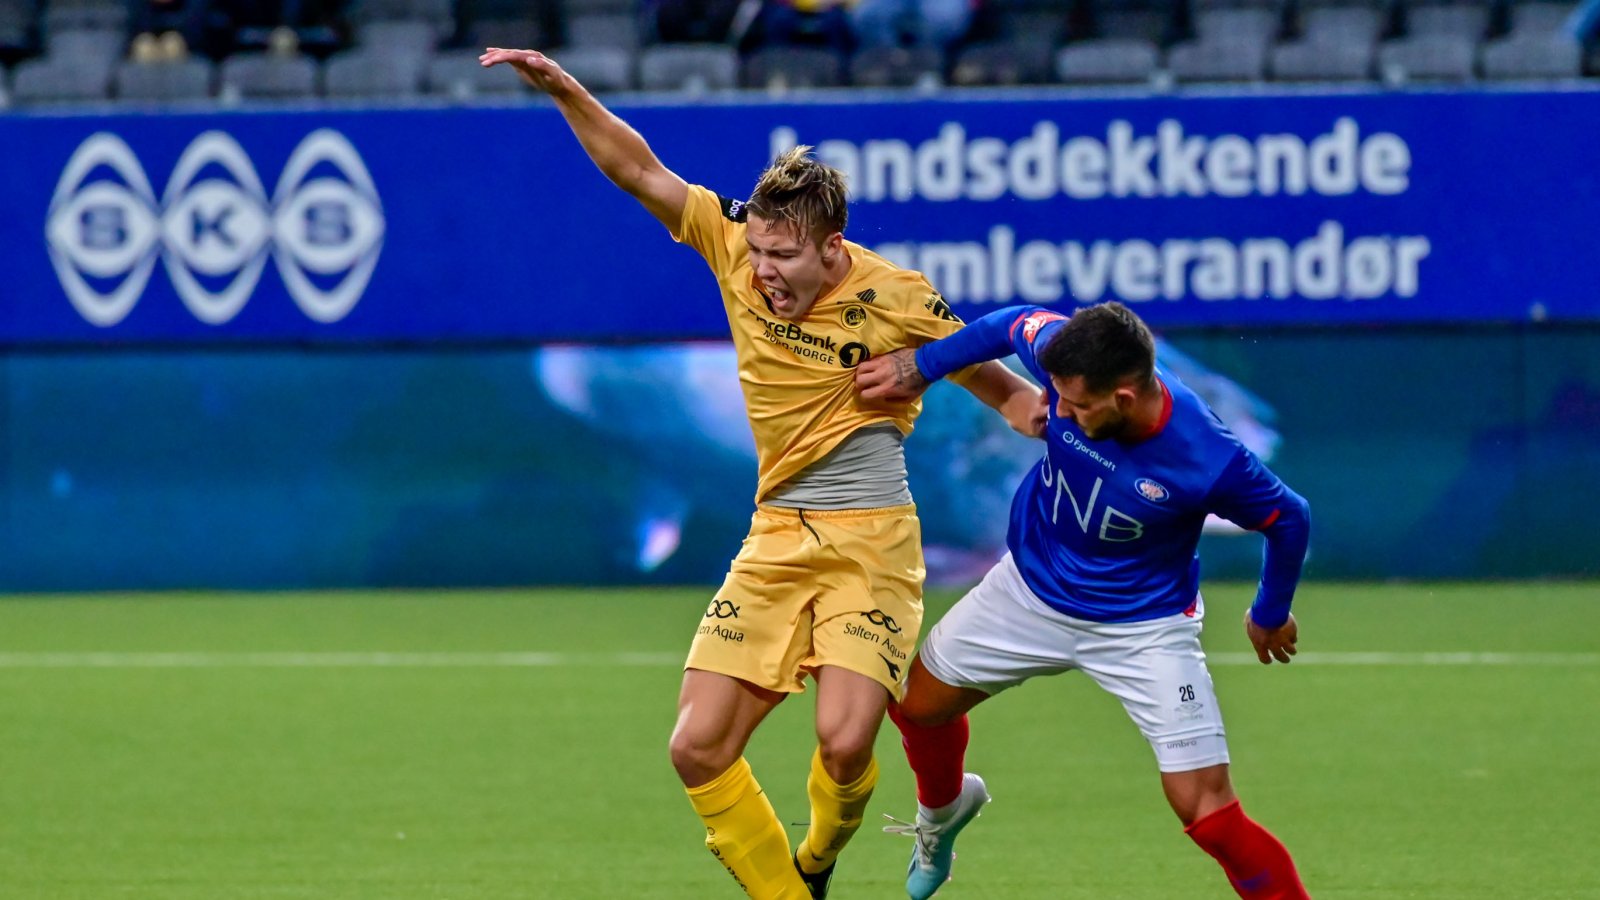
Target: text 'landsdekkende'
x=1123 y=164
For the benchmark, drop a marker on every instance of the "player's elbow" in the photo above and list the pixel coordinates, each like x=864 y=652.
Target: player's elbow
x=1293 y=518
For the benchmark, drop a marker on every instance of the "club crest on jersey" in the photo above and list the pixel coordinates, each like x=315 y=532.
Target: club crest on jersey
x=1036 y=321
x=854 y=316
x=1151 y=490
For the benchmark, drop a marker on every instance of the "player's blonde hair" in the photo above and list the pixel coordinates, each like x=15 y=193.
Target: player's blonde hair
x=802 y=192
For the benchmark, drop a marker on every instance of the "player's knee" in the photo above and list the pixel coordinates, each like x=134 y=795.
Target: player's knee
x=1197 y=793
x=924 y=713
x=696 y=759
x=846 y=752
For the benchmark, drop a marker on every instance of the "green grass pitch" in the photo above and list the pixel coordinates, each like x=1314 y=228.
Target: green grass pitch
x=479 y=746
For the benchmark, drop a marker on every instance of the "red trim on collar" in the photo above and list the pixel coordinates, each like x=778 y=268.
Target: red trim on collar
x=1161 y=422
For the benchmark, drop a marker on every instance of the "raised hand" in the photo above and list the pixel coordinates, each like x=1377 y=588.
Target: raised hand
x=535 y=68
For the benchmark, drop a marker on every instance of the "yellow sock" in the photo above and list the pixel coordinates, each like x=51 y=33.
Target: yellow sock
x=744 y=834
x=836 y=812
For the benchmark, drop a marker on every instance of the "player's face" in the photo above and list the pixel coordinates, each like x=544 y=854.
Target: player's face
x=790 y=267
x=1099 y=416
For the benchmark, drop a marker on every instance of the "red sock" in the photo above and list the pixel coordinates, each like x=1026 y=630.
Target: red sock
x=937 y=756
x=1257 y=864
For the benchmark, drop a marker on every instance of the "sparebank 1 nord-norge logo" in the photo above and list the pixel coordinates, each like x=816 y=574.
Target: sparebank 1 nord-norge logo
x=214 y=227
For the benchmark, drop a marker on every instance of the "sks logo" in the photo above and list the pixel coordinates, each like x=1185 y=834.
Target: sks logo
x=214 y=227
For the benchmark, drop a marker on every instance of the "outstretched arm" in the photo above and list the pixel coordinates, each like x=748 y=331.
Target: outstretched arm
x=1251 y=496
x=1015 y=398
x=619 y=151
x=901 y=376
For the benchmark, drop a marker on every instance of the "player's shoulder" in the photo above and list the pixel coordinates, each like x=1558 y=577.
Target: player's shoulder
x=706 y=202
x=883 y=284
x=1194 y=420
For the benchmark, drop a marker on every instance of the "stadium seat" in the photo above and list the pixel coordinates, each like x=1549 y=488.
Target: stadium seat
x=601 y=69
x=1252 y=23
x=414 y=38
x=373 y=72
x=1004 y=63
x=603 y=30
x=1219 y=60
x=1462 y=20
x=511 y=33
x=17 y=27
x=1436 y=57
x=1311 y=61
x=58 y=81
x=1037 y=24
x=783 y=68
x=91 y=14
x=458 y=74
x=897 y=67
x=439 y=13
x=1199 y=5
x=1539 y=18
x=1343 y=25
x=1107 y=61
x=97 y=48
x=1540 y=58
x=584 y=7
x=260 y=75
x=691 y=67
x=1149 y=25
x=188 y=79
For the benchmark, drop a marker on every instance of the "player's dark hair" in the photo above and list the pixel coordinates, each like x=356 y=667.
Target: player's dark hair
x=1106 y=344
x=799 y=190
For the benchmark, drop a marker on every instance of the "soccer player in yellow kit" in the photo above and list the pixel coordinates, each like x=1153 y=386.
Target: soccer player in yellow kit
x=829 y=581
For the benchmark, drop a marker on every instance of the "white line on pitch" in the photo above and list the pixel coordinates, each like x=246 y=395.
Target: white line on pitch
x=414 y=660
x=329 y=660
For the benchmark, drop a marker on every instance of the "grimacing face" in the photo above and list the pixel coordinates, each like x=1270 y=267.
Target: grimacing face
x=1098 y=416
x=790 y=267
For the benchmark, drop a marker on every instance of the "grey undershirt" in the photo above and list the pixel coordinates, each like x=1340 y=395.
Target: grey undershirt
x=867 y=470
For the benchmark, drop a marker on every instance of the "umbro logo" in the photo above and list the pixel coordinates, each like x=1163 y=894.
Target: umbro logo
x=722 y=609
x=867 y=296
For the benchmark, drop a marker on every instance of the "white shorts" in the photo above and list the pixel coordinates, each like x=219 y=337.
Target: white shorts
x=1001 y=634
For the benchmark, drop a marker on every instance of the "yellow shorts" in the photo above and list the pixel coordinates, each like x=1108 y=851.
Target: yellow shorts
x=818 y=588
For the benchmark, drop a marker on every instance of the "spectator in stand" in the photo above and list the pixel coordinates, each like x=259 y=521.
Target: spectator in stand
x=824 y=23
x=939 y=24
x=281 y=26
x=692 y=21
x=166 y=29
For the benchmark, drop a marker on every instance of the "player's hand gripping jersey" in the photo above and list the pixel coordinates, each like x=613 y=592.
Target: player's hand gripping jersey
x=798 y=376
x=1108 y=531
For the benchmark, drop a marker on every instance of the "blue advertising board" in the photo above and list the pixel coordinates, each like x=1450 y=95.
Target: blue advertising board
x=489 y=224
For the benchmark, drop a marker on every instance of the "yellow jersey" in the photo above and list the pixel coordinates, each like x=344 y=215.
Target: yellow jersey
x=798 y=376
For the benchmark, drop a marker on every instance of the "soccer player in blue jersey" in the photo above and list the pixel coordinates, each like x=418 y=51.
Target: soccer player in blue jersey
x=1102 y=576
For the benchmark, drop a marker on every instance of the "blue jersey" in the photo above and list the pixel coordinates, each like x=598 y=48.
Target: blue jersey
x=1108 y=530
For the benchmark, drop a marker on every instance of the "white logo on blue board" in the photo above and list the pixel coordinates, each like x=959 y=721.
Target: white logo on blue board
x=214 y=228
x=1151 y=490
